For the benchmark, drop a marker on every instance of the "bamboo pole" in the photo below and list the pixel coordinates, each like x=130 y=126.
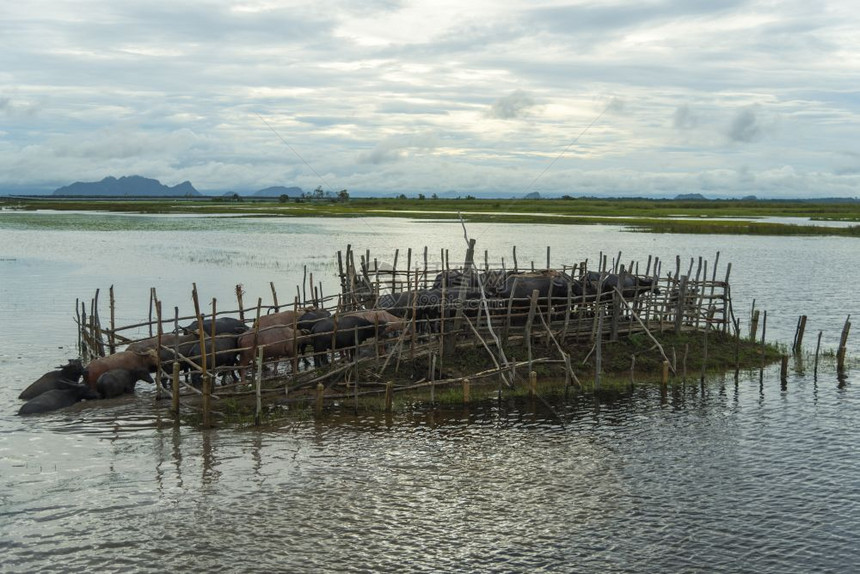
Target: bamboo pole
x=259 y=381
x=817 y=349
x=112 y=335
x=274 y=296
x=798 y=334
x=466 y=391
x=843 y=346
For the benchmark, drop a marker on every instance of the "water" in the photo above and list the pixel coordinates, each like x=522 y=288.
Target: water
x=745 y=477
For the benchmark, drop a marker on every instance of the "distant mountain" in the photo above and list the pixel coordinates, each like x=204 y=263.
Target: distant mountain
x=278 y=191
x=691 y=197
x=131 y=186
x=532 y=195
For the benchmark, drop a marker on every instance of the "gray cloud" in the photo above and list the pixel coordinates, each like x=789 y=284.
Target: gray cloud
x=514 y=105
x=745 y=127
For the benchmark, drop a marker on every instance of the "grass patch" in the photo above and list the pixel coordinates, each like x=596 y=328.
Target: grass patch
x=655 y=216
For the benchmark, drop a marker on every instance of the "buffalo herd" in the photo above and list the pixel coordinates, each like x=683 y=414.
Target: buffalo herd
x=287 y=334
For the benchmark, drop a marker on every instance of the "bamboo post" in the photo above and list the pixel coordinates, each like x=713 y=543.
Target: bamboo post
x=388 y=396
x=296 y=336
x=754 y=325
x=708 y=319
x=817 y=349
x=528 y=334
x=239 y=294
x=394 y=272
x=665 y=378
x=598 y=356
x=274 y=296
x=319 y=399
x=259 y=381
x=763 y=347
x=843 y=346
x=783 y=370
x=532 y=383
x=798 y=334
x=112 y=338
x=151 y=299
x=174 y=390
x=515 y=259
x=682 y=302
x=158 y=355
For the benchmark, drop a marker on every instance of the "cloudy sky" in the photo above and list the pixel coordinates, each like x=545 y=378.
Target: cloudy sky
x=646 y=97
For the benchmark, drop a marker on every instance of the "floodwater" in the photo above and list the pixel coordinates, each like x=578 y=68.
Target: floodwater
x=742 y=476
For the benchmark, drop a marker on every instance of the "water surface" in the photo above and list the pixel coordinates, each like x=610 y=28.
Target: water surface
x=729 y=477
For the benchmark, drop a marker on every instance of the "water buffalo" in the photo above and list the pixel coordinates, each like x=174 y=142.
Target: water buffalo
x=392 y=323
x=50 y=380
x=350 y=331
x=51 y=400
x=276 y=341
x=225 y=355
x=121 y=360
x=282 y=318
x=223 y=326
x=310 y=317
x=630 y=285
x=116 y=382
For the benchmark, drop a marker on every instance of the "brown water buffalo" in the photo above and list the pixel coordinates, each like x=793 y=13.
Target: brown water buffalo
x=121 y=360
x=282 y=318
x=167 y=340
x=53 y=379
x=392 y=323
x=277 y=341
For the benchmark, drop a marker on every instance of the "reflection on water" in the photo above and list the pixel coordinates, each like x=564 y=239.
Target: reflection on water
x=730 y=476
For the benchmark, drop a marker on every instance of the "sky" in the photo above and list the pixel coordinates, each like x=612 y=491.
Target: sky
x=644 y=98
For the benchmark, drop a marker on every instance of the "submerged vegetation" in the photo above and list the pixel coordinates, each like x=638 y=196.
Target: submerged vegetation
x=656 y=216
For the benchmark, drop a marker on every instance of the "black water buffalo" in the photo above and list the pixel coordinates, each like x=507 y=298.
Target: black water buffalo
x=458 y=278
x=521 y=286
x=350 y=331
x=630 y=285
x=69 y=373
x=118 y=382
x=223 y=326
x=310 y=318
x=226 y=355
x=51 y=400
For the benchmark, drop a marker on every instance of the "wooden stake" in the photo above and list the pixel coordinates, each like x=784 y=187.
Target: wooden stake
x=783 y=370
x=259 y=381
x=843 y=346
x=817 y=349
x=532 y=383
x=388 y=396
x=319 y=401
x=112 y=338
x=466 y=392
x=798 y=334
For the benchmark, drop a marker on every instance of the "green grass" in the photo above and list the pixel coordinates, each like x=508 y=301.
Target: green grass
x=656 y=216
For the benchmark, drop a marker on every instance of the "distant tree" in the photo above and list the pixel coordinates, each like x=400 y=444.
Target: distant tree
x=421 y=196
x=235 y=197
x=401 y=196
x=470 y=197
x=434 y=196
x=319 y=193
x=343 y=195
x=283 y=198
